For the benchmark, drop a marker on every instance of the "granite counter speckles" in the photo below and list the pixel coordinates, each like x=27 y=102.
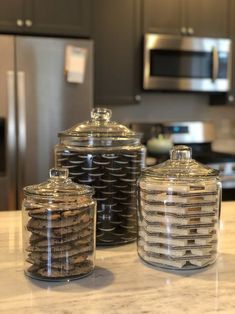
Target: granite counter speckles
x=121 y=282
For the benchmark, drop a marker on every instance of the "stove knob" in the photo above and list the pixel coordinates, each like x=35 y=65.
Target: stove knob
x=221 y=168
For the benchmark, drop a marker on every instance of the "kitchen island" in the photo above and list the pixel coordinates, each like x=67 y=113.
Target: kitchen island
x=121 y=282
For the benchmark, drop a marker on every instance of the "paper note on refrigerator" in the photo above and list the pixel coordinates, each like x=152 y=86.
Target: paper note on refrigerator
x=75 y=64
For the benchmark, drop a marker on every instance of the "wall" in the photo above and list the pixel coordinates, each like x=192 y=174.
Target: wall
x=157 y=107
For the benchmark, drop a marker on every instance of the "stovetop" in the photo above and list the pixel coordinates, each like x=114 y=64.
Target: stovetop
x=199 y=136
x=205 y=154
x=202 y=153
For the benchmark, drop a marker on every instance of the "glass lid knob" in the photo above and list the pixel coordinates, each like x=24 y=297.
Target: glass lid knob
x=181 y=152
x=58 y=173
x=101 y=114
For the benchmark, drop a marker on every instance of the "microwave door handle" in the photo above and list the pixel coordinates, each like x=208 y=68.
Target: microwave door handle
x=215 y=64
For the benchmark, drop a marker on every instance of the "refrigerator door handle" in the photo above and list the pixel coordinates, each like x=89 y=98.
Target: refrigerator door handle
x=11 y=138
x=21 y=130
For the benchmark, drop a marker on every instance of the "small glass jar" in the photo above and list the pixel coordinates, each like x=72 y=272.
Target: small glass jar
x=178 y=215
x=109 y=157
x=58 y=228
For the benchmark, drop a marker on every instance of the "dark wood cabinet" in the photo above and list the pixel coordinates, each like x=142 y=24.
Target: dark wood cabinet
x=228 y=98
x=207 y=18
x=11 y=15
x=162 y=16
x=231 y=96
x=62 y=17
x=46 y=17
x=117 y=51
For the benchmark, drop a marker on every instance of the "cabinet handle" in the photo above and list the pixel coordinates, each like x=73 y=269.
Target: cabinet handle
x=183 y=30
x=137 y=98
x=19 y=22
x=28 y=23
x=190 y=31
x=231 y=98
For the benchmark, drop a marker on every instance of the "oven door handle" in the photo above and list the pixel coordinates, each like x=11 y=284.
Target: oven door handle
x=215 y=64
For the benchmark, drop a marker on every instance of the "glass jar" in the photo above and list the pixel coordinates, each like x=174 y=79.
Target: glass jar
x=178 y=215
x=58 y=228
x=109 y=157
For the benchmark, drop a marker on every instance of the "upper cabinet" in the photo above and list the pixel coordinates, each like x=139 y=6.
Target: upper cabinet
x=162 y=16
x=207 y=18
x=11 y=15
x=46 y=17
x=63 y=17
x=117 y=49
x=231 y=96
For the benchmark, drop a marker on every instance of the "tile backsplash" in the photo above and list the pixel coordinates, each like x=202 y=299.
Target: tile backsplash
x=178 y=107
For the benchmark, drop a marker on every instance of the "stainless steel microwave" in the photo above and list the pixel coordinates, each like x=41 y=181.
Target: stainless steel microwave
x=186 y=63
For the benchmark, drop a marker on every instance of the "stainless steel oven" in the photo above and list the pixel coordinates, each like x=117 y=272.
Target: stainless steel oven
x=186 y=63
x=199 y=135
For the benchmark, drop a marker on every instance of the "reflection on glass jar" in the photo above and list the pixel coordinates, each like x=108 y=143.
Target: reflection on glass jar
x=59 y=228
x=109 y=157
x=178 y=218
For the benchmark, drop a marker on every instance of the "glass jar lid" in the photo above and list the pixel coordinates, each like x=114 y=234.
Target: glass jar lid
x=59 y=184
x=99 y=131
x=181 y=166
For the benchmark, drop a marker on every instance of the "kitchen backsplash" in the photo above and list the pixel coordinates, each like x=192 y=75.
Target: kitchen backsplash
x=178 y=107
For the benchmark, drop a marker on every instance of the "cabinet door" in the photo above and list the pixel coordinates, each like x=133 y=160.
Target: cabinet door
x=162 y=16
x=58 y=17
x=232 y=36
x=207 y=17
x=11 y=16
x=117 y=48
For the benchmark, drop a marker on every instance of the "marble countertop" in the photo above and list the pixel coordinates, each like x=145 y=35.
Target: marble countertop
x=121 y=282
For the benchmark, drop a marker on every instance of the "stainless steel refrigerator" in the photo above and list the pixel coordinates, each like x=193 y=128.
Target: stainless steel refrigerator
x=36 y=102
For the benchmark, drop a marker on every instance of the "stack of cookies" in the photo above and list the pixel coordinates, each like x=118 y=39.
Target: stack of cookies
x=178 y=224
x=113 y=175
x=60 y=241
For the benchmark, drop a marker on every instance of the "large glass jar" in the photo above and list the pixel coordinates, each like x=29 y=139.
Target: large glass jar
x=58 y=228
x=178 y=215
x=109 y=157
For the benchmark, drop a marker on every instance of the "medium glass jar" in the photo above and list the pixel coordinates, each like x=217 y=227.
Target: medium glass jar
x=178 y=215
x=58 y=228
x=109 y=157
